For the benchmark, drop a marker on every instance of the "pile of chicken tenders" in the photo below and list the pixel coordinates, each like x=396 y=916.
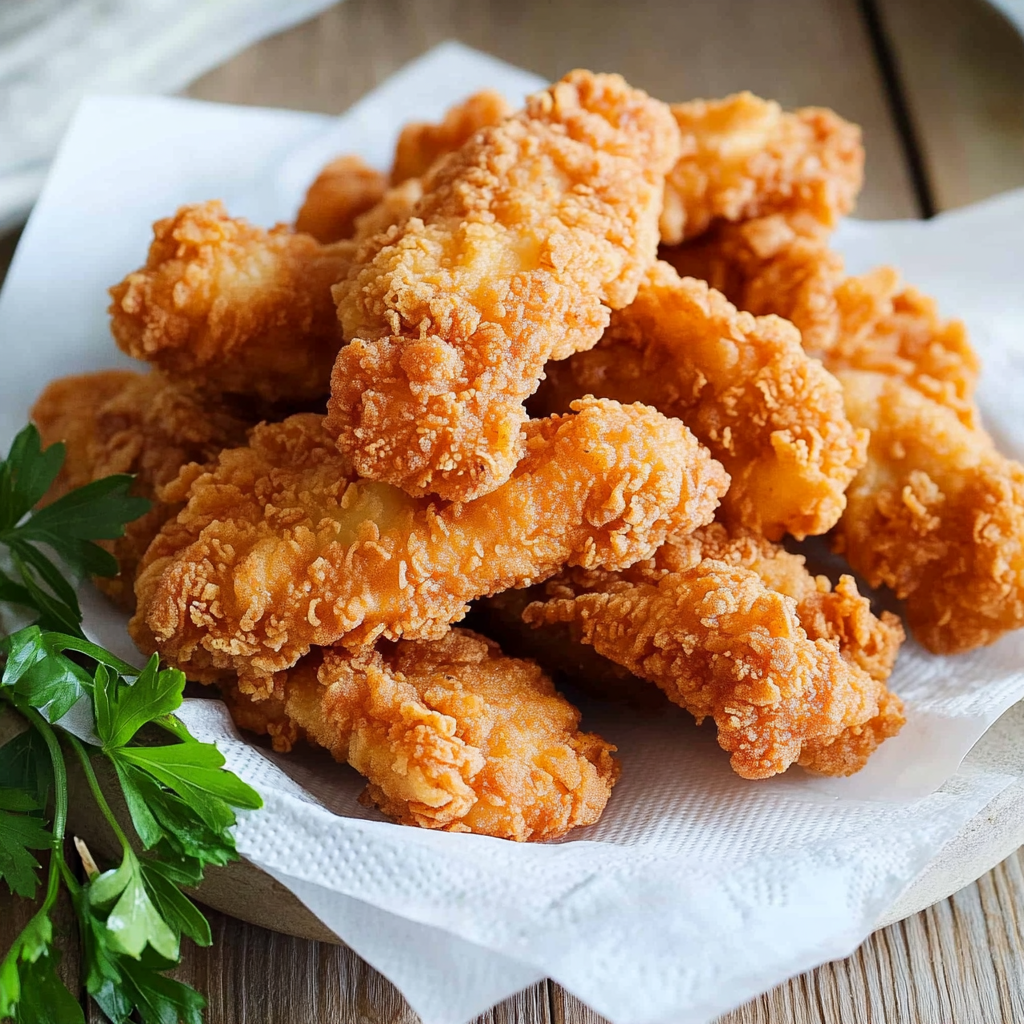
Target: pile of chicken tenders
x=580 y=367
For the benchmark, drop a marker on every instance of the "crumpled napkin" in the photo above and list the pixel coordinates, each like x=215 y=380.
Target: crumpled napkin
x=697 y=889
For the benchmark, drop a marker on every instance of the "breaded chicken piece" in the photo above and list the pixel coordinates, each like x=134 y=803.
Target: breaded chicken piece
x=450 y=734
x=344 y=190
x=523 y=242
x=118 y=421
x=840 y=616
x=937 y=514
x=783 y=265
x=281 y=547
x=721 y=642
x=768 y=412
x=234 y=307
x=744 y=157
x=421 y=145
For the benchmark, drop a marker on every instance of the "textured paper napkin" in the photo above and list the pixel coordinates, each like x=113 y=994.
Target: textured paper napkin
x=697 y=889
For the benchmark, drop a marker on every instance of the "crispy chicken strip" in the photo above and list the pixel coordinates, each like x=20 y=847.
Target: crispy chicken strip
x=421 y=145
x=744 y=157
x=769 y=413
x=521 y=245
x=344 y=190
x=783 y=265
x=118 y=421
x=721 y=641
x=937 y=514
x=281 y=547
x=450 y=734
x=234 y=307
x=840 y=614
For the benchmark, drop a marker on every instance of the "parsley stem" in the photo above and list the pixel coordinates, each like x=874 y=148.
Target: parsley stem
x=60 y=801
x=97 y=793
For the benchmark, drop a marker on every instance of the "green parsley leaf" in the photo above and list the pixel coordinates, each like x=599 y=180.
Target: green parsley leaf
x=122 y=708
x=43 y=995
x=121 y=984
x=20 y=833
x=160 y=816
x=26 y=475
x=25 y=765
x=180 y=913
x=193 y=770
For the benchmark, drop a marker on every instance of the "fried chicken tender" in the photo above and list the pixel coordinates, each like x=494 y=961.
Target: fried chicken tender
x=281 y=547
x=451 y=734
x=769 y=413
x=744 y=157
x=937 y=514
x=523 y=242
x=722 y=638
x=234 y=307
x=783 y=265
x=421 y=145
x=344 y=190
x=840 y=615
x=118 y=421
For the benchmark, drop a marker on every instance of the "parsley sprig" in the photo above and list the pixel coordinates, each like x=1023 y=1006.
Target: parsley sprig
x=179 y=797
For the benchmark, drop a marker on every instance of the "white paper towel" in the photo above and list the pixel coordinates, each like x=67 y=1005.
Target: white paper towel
x=697 y=889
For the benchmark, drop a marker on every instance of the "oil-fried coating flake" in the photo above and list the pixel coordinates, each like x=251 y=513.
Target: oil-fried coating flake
x=721 y=642
x=394 y=209
x=744 y=157
x=342 y=192
x=769 y=413
x=281 y=548
x=118 y=421
x=234 y=307
x=937 y=514
x=523 y=242
x=450 y=734
x=421 y=145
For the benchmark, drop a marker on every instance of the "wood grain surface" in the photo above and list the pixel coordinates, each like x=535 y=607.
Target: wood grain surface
x=938 y=86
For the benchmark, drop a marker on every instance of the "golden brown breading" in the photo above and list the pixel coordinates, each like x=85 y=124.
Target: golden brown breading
x=744 y=157
x=342 y=192
x=721 y=642
x=521 y=245
x=118 y=421
x=769 y=413
x=450 y=734
x=234 y=307
x=937 y=514
x=421 y=145
x=281 y=548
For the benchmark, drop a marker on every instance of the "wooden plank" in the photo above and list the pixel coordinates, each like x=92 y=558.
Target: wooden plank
x=254 y=976
x=801 y=52
x=961 y=68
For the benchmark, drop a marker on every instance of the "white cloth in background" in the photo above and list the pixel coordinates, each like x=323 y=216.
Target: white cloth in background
x=53 y=52
x=697 y=889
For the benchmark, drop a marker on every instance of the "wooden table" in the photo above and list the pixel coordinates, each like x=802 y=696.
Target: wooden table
x=938 y=86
